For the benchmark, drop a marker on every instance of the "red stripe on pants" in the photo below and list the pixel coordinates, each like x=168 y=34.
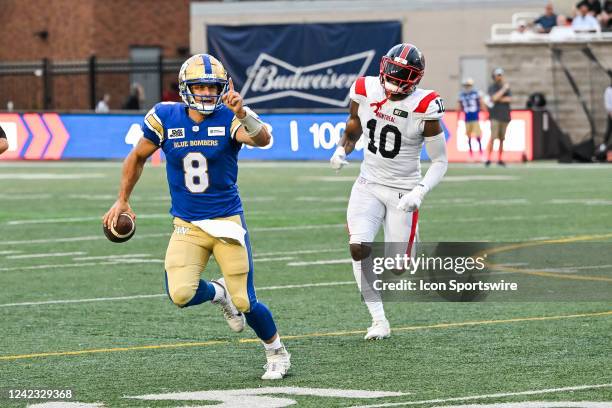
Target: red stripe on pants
x=413 y=227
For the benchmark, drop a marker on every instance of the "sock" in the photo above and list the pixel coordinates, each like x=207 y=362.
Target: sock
x=259 y=318
x=371 y=298
x=276 y=344
x=204 y=293
x=219 y=292
x=479 y=145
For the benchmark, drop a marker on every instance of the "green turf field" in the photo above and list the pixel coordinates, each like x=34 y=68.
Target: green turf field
x=123 y=338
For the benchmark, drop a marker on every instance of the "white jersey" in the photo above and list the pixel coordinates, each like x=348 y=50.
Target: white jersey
x=393 y=132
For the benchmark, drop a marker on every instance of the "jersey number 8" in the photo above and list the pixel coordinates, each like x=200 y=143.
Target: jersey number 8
x=195 y=167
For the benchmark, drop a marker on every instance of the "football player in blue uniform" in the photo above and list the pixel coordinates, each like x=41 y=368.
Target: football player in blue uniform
x=471 y=102
x=201 y=139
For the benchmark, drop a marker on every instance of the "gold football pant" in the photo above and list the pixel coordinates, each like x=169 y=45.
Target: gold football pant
x=188 y=253
x=187 y=256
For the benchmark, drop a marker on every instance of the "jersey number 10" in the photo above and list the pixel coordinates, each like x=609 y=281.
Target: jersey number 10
x=382 y=143
x=195 y=168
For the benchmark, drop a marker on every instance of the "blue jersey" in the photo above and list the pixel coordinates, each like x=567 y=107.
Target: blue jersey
x=201 y=160
x=470 y=102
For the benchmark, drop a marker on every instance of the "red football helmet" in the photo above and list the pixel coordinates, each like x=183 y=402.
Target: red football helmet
x=401 y=69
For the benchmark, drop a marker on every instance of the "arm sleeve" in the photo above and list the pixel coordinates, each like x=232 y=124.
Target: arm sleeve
x=436 y=150
x=2 y=134
x=152 y=127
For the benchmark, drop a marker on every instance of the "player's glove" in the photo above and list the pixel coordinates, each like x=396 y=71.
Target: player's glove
x=338 y=159
x=412 y=200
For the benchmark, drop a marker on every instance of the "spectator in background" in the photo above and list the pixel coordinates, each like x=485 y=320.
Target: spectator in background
x=608 y=102
x=522 y=33
x=563 y=31
x=547 y=21
x=172 y=94
x=3 y=141
x=135 y=99
x=594 y=6
x=102 y=106
x=499 y=113
x=584 y=21
x=470 y=102
x=605 y=18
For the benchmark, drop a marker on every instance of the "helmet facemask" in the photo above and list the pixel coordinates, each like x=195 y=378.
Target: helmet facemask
x=397 y=78
x=205 y=104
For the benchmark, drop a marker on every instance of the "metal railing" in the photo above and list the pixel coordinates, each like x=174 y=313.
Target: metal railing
x=79 y=84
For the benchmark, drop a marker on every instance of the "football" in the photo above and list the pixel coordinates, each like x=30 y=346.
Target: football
x=123 y=231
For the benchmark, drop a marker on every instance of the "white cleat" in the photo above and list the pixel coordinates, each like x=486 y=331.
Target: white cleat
x=379 y=330
x=279 y=362
x=234 y=318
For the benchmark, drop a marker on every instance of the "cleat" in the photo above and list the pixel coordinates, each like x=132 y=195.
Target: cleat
x=279 y=362
x=379 y=330
x=487 y=163
x=233 y=317
x=501 y=163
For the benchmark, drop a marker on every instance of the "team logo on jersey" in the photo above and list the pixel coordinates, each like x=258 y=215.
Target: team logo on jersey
x=176 y=133
x=401 y=113
x=216 y=131
x=272 y=78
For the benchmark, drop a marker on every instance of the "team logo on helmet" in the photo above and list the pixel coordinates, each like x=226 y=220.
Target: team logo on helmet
x=207 y=70
x=401 y=69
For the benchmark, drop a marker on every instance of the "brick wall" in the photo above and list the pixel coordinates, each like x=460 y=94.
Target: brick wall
x=76 y=30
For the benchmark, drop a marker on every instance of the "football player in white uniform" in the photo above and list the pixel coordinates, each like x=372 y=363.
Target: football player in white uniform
x=396 y=118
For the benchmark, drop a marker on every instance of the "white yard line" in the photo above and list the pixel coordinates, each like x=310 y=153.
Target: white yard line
x=110 y=299
x=10 y=252
x=76 y=265
x=49 y=176
x=110 y=257
x=281 y=258
x=46 y=255
x=166 y=234
x=12 y=197
x=76 y=239
x=79 y=219
x=487 y=396
x=323 y=262
x=302 y=251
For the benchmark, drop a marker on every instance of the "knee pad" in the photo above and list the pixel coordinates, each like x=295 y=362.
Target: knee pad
x=181 y=295
x=360 y=251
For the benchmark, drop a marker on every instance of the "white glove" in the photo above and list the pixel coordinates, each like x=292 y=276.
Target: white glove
x=338 y=159
x=412 y=200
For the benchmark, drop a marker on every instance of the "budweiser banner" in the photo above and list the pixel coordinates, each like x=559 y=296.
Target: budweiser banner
x=298 y=66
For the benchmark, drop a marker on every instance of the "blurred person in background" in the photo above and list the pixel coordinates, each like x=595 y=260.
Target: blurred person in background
x=499 y=113
x=171 y=94
x=584 y=20
x=3 y=141
x=135 y=98
x=547 y=21
x=605 y=18
x=522 y=33
x=470 y=103
x=102 y=106
x=607 y=142
x=563 y=31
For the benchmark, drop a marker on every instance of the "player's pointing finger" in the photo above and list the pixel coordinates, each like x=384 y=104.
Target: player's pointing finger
x=231 y=85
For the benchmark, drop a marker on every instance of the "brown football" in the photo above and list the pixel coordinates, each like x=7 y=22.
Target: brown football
x=124 y=230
